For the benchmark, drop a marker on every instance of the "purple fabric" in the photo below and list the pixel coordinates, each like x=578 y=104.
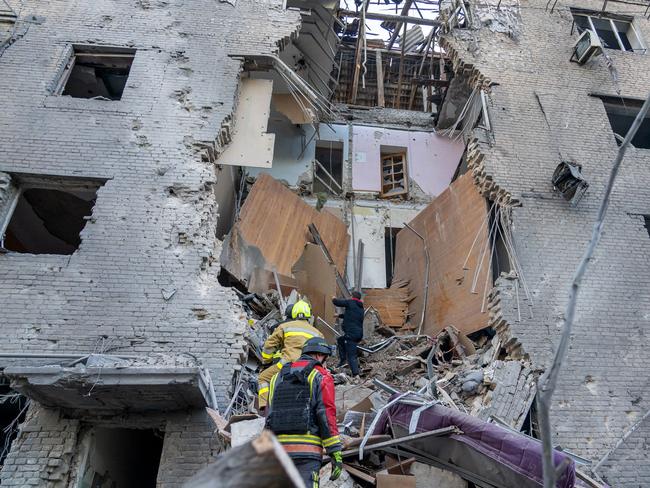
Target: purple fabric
x=513 y=451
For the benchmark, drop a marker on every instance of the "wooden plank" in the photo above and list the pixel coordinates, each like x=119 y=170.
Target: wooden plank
x=356 y=472
x=391 y=18
x=317 y=280
x=381 y=102
x=401 y=69
x=275 y=220
x=261 y=462
x=450 y=224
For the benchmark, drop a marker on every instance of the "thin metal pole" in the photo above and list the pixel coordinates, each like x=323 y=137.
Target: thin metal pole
x=426 y=276
x=548 y=382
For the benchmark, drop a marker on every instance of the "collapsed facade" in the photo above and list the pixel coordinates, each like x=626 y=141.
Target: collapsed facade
x=139 y=137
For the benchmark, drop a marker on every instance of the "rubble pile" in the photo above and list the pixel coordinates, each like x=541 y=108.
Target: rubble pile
x=448 y=379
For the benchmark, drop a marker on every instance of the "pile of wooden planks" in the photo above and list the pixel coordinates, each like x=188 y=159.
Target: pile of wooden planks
x=391 y=303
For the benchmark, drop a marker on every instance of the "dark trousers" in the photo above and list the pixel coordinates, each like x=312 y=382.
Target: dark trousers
x=347 y=348
x=309 y=470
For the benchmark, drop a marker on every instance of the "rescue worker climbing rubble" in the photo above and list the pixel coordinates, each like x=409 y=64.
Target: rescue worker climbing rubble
x=288 y=339
x=302 y=412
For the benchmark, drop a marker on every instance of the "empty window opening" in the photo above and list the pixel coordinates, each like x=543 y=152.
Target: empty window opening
x=13 y=407
x=621 y=113
x=120 y=458
x=500 y=255
x=328 y=167
x=615 y=32
x=531 y=423
x=48 y=217
x=97 y=72
x=394 y=177
x=390 y=241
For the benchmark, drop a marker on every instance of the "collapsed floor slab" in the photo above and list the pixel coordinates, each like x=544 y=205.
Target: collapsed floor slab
x=112 y=389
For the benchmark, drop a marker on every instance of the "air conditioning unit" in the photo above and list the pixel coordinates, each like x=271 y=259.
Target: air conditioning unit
x=568 y=180
x=587 y=46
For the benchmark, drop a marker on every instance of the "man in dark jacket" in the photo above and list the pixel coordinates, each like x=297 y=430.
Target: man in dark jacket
x=352 y=330
x=302 y=412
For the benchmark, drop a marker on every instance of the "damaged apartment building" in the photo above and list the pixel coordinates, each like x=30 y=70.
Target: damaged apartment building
x=161 y=161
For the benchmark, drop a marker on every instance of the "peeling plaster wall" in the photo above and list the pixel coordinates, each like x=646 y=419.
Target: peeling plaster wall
x=371 y=217
x=603 y=388
x=431 y=159
x=370 y=222
x=145 y=276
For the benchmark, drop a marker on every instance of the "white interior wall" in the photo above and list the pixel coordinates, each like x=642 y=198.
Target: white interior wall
x=370 y=220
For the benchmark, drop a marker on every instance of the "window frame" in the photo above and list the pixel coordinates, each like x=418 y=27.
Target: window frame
x=390 y=153
x=77 y=50
x=612 y=18
x=22 y=182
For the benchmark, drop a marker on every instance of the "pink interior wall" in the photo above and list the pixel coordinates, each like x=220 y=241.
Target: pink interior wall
x=431 y=159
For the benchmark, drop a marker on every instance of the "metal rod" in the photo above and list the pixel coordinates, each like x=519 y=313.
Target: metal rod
x=452 y=429
x=548 y=382
x=426 y=275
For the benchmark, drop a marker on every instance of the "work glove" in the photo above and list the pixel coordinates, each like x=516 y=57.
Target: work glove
x=337 y=465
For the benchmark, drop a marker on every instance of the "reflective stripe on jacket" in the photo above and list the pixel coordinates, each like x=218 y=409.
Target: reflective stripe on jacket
x=288 y=338
x=323 y=432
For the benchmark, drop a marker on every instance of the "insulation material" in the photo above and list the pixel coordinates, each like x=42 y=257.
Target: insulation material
x=391 y=303
x=272 y=231
x=454 y=226
x=317 y=281
x=251 y=145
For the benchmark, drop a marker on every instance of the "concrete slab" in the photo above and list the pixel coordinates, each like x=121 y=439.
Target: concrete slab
x=111 y=389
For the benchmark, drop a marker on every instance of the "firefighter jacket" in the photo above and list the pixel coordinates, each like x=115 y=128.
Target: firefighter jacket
x=322 y=431
x=288 y=338
x=352 y=318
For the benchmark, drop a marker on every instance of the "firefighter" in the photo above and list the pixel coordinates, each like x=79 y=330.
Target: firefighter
x=352 y=331
x=288 y=339
x=302 y=412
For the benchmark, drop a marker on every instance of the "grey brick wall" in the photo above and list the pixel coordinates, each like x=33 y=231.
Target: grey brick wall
x=604 y=387
x=153 y=227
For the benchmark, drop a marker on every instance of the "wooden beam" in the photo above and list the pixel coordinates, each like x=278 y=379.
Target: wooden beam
x=424 y=57
x=401 y=70
x=357 y=59
x=405 y=11
x=381 y=102
x=391 y=18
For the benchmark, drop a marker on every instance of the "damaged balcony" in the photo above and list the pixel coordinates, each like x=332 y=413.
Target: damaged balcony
x=103 y=384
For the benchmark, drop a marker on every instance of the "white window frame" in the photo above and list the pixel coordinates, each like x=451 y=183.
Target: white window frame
x=614 y=29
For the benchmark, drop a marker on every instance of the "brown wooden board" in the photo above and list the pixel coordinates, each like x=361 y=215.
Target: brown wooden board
x=391 y=304
x=273 y=223
x=316 y=280
x=449 y=224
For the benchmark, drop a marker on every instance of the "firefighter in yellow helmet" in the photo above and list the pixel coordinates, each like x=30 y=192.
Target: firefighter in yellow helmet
x=288 y=338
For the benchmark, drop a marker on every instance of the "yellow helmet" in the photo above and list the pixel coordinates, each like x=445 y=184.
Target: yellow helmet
x=301 y=310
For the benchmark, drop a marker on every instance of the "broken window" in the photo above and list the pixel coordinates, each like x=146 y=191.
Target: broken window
x=615 y=31
x=12 y=412
x=97 y=72
x=120 y=458
x=390 y=242
x=46 y=216
x=394 y=179
x=621 y=113
x=328 y=167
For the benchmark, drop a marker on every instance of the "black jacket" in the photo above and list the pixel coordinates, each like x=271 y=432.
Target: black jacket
x=352 y=318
